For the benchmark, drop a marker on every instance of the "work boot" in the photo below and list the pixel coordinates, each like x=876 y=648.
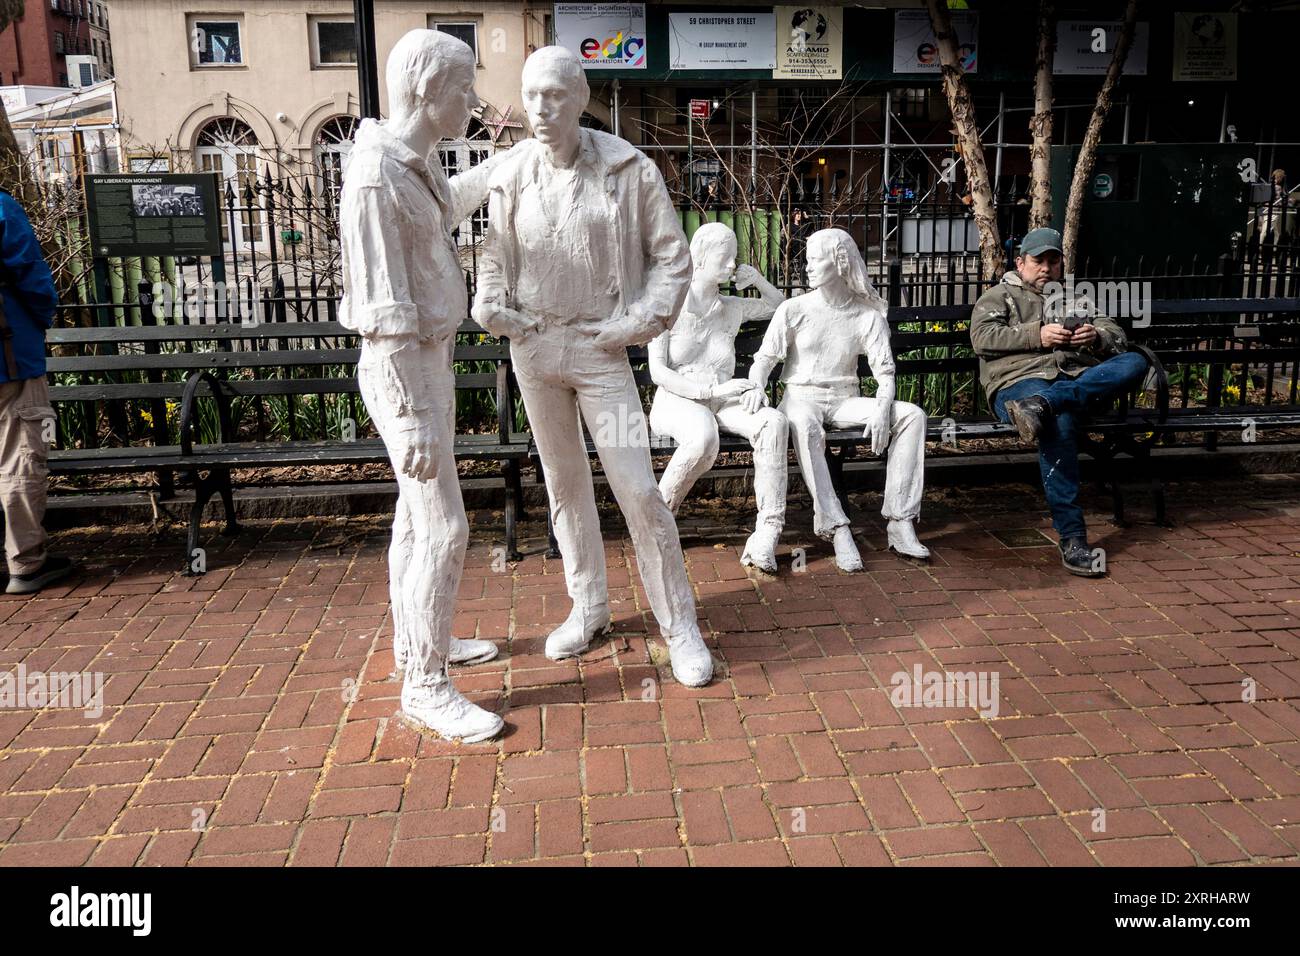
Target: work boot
x=572 y=637
x=1077 y=558
x=760 y=549
x=448 y=713
x=903 y=540
x=54 y=570
x=846 y=550
x=1030 y=416
x=692 y=662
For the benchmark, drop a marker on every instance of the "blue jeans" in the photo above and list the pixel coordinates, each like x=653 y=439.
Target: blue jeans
x=1058 y=451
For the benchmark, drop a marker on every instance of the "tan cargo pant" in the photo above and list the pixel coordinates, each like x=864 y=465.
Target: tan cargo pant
x=24 y=452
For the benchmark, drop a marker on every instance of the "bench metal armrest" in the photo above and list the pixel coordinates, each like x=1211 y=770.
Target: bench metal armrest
x=1162 y=380
x=220 y=394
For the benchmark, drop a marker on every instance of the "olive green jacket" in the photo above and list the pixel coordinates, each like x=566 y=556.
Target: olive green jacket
x=1005 y=329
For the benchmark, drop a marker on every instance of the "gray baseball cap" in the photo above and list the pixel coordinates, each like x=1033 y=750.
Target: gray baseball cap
x=1038 y=241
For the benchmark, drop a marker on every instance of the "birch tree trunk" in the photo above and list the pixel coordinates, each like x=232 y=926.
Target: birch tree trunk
x=1088 y=150
x=962 y=109
x=1040 y=124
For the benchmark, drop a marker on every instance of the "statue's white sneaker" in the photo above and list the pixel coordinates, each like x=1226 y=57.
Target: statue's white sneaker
x=760 y=549
x=692 y=662
x=462 y=652
x=470 y=651
x=572 y=637
x=903 y=540
x=448 y=713
x=846 y=550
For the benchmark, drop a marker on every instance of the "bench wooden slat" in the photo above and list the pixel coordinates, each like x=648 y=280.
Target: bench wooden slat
x=272 y=358
x=260 y=455
x=219 y=331
x=263 y=386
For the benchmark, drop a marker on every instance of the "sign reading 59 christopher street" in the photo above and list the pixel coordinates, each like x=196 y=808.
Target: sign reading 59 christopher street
x=154 y=214
x=605 y=36
x=721 y=40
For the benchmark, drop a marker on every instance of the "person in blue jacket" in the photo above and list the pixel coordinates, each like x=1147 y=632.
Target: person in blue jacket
x=28 y=300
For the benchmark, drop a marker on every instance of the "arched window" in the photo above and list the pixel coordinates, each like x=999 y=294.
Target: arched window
x=458 y=155
x=330 y=151
x=228 y=146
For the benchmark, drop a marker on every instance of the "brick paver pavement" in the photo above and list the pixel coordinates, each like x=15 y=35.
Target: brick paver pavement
x=1150 y=718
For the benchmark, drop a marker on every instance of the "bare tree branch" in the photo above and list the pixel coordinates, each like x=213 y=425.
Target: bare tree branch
x=962 y=108
x=1088 y=151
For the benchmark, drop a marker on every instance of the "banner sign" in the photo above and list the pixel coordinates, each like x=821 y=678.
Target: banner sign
x=716 y=40
x=917 y=51
x=809 y=43
x=1085 y=47
x=1205 y=46
x=605 y=36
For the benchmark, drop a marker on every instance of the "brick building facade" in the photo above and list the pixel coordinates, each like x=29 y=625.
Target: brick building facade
x=34 y=51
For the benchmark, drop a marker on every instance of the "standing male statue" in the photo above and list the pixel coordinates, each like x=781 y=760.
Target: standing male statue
x=404 y=292
x=584 y=257
x=820 y=336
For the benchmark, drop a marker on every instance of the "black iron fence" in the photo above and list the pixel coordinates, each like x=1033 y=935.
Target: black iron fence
x=282 y=264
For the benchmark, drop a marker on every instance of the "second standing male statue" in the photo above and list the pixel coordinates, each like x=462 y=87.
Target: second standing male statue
x=584 y=257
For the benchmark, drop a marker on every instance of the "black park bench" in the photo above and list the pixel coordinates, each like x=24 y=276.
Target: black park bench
x=124 y=367
x=1185 y=341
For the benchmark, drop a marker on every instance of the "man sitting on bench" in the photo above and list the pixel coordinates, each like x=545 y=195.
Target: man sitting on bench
x=1042 y=364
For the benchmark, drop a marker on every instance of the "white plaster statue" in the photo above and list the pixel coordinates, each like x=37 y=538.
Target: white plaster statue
x=693 y=365
x=820 y=336
x=404 y=292
x=585 y=256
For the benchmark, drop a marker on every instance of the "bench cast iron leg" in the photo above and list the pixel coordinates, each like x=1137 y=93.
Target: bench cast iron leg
x=552 y=546
x=195 y=564
x=1157 y=489
x=222 y=479
x=1117 y=496
x=514 y=477
x=216 y=482
x=512 y=515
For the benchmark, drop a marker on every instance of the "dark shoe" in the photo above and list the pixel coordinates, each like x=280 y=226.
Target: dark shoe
x=1030 y=416
x=53 y=570
x=1078 y=558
